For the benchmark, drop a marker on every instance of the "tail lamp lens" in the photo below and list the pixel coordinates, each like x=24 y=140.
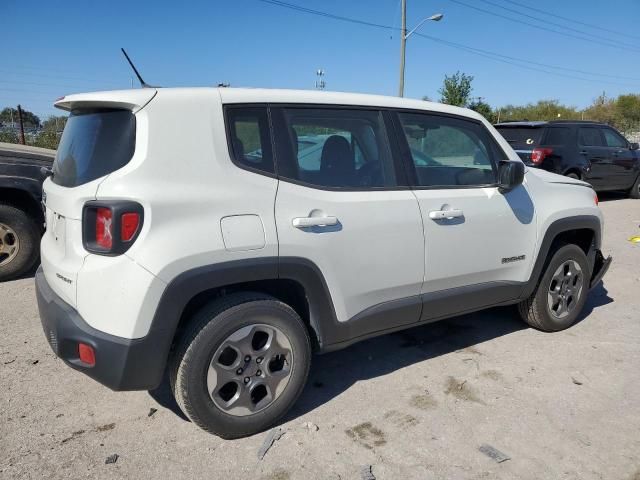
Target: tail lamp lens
x=110 y=228
x=539 y=154
x=129 y=225
x=104 y=228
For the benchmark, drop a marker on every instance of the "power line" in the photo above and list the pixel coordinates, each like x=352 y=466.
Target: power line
x=523 y=63
x=549 y=22
x=590 y=25
x=541 y=27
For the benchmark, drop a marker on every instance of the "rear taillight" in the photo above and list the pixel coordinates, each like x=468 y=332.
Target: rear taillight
x=110 y=228
x=595 y=198
x=539 y=154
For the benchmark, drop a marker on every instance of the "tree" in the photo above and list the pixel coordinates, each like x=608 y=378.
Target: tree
x=483 y=108
x=456 y=89
x=54 y=123
x=542 y=110
x=29 y=118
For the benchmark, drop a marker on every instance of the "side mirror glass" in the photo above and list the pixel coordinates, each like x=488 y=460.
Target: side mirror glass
x=634 y=146
x=511 y=174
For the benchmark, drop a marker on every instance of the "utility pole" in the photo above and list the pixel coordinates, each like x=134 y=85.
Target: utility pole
x=403 y=43
x=22 y=142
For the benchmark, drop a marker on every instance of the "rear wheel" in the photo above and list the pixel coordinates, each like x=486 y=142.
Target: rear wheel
x=635 y=190
x=19 y=242
x=241 y=365
x=573 y=175
x=562 y=292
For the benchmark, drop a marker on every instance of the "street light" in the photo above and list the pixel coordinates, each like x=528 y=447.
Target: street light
x=403 y=40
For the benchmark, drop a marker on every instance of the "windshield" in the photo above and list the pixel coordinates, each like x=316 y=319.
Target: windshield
x=94 y=143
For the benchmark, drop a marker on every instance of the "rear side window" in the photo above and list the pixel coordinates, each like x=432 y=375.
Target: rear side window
x=557 y=136
x=614 y=139
x=590 y=137
x=94 y=143
x=335 y=148
x=449 y=152
x=522 y=137
x=249 y=138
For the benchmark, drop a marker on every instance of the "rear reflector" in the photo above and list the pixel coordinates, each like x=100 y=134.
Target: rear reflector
x=86 y=354
x=129 y=226
x=539 y=154
x=104 y=228
x=595 y=198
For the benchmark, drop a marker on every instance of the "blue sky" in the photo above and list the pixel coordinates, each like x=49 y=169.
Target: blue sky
x=55 y=48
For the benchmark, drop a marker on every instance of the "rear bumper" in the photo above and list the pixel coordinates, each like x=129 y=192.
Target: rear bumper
x=121 y=364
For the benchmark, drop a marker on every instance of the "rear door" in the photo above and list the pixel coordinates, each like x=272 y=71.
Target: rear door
x=342 y=202
x=622 y=158
x=479 y=241
x=592 y=147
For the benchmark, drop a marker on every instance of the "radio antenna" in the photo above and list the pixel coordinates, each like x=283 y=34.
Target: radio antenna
x=143 y=84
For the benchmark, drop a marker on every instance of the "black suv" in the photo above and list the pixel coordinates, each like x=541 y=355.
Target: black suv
x=593 y=152
x=22 y=171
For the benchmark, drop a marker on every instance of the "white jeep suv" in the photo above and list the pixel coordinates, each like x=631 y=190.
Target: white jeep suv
x=226 y=235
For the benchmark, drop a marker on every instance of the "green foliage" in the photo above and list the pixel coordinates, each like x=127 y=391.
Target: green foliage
x=54 y=123
x=29 y=118
x=542 y=110
x=484 y=109
x=456 y=89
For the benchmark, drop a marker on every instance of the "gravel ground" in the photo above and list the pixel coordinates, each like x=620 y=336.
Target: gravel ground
x=416 y=404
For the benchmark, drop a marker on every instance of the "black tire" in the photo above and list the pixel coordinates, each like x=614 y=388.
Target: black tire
x=635 y=190
x=573 y=175
x=535 y=310
x=27 y=234
x=209 y=328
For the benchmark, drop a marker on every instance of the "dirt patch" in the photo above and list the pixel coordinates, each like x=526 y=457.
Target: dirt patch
x=461 y=390
x=278 y=474
x=424 y=402
x=493 y=375
x=367 y=435
x=105 y=428
x=401 y=420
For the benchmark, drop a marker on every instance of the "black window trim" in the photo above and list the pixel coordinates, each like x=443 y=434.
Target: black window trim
x=227 y=127
x=408 y=158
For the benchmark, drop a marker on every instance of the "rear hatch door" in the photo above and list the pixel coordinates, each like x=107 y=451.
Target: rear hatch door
x=523 y=139
x=99 y=138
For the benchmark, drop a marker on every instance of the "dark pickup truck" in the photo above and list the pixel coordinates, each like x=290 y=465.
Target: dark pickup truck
x=22 y=171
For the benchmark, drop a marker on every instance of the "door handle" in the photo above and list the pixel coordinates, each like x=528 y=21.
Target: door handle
x=304 y=222
x=583 y=152
x=445 y=214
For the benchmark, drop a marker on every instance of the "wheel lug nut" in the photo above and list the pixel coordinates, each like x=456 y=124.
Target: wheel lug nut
x=247 y=379
x=259 y=360
x=259 y=373
x=247 y=358
x=239 y=371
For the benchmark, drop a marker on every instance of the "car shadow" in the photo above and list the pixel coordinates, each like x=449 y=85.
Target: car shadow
x=613 y=195
x=334 y=373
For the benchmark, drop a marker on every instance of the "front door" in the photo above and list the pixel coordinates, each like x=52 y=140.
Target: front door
x=623 y=159
x=476 y=237
x=339 y=205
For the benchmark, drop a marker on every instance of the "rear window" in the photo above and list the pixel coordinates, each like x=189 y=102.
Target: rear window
x=521 y=136
x=94 y=143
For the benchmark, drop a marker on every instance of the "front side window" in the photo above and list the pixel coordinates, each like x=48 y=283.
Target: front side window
x=249 y=138
x=590 y=137
x=449 y=152
x=336 y=148
x=613 y=139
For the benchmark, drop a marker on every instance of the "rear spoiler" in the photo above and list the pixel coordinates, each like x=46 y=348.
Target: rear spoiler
x=133 y=100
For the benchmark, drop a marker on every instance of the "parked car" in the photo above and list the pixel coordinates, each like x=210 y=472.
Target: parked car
x=277 y=224
x=589 y=151
x=22 y=171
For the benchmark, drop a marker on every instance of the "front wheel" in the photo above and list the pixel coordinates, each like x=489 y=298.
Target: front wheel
x=19 y=242
x=241 y=365
x=562 y=292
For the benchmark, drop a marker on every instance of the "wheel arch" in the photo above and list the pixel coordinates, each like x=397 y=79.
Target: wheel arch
x=582 y=230
x=22 y=194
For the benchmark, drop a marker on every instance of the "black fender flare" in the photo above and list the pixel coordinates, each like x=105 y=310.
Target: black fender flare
x=562 y=225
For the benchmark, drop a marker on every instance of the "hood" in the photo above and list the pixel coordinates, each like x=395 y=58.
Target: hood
x=549 y=177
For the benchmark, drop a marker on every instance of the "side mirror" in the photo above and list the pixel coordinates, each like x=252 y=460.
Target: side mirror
x=510 y=174
x=634 y=146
